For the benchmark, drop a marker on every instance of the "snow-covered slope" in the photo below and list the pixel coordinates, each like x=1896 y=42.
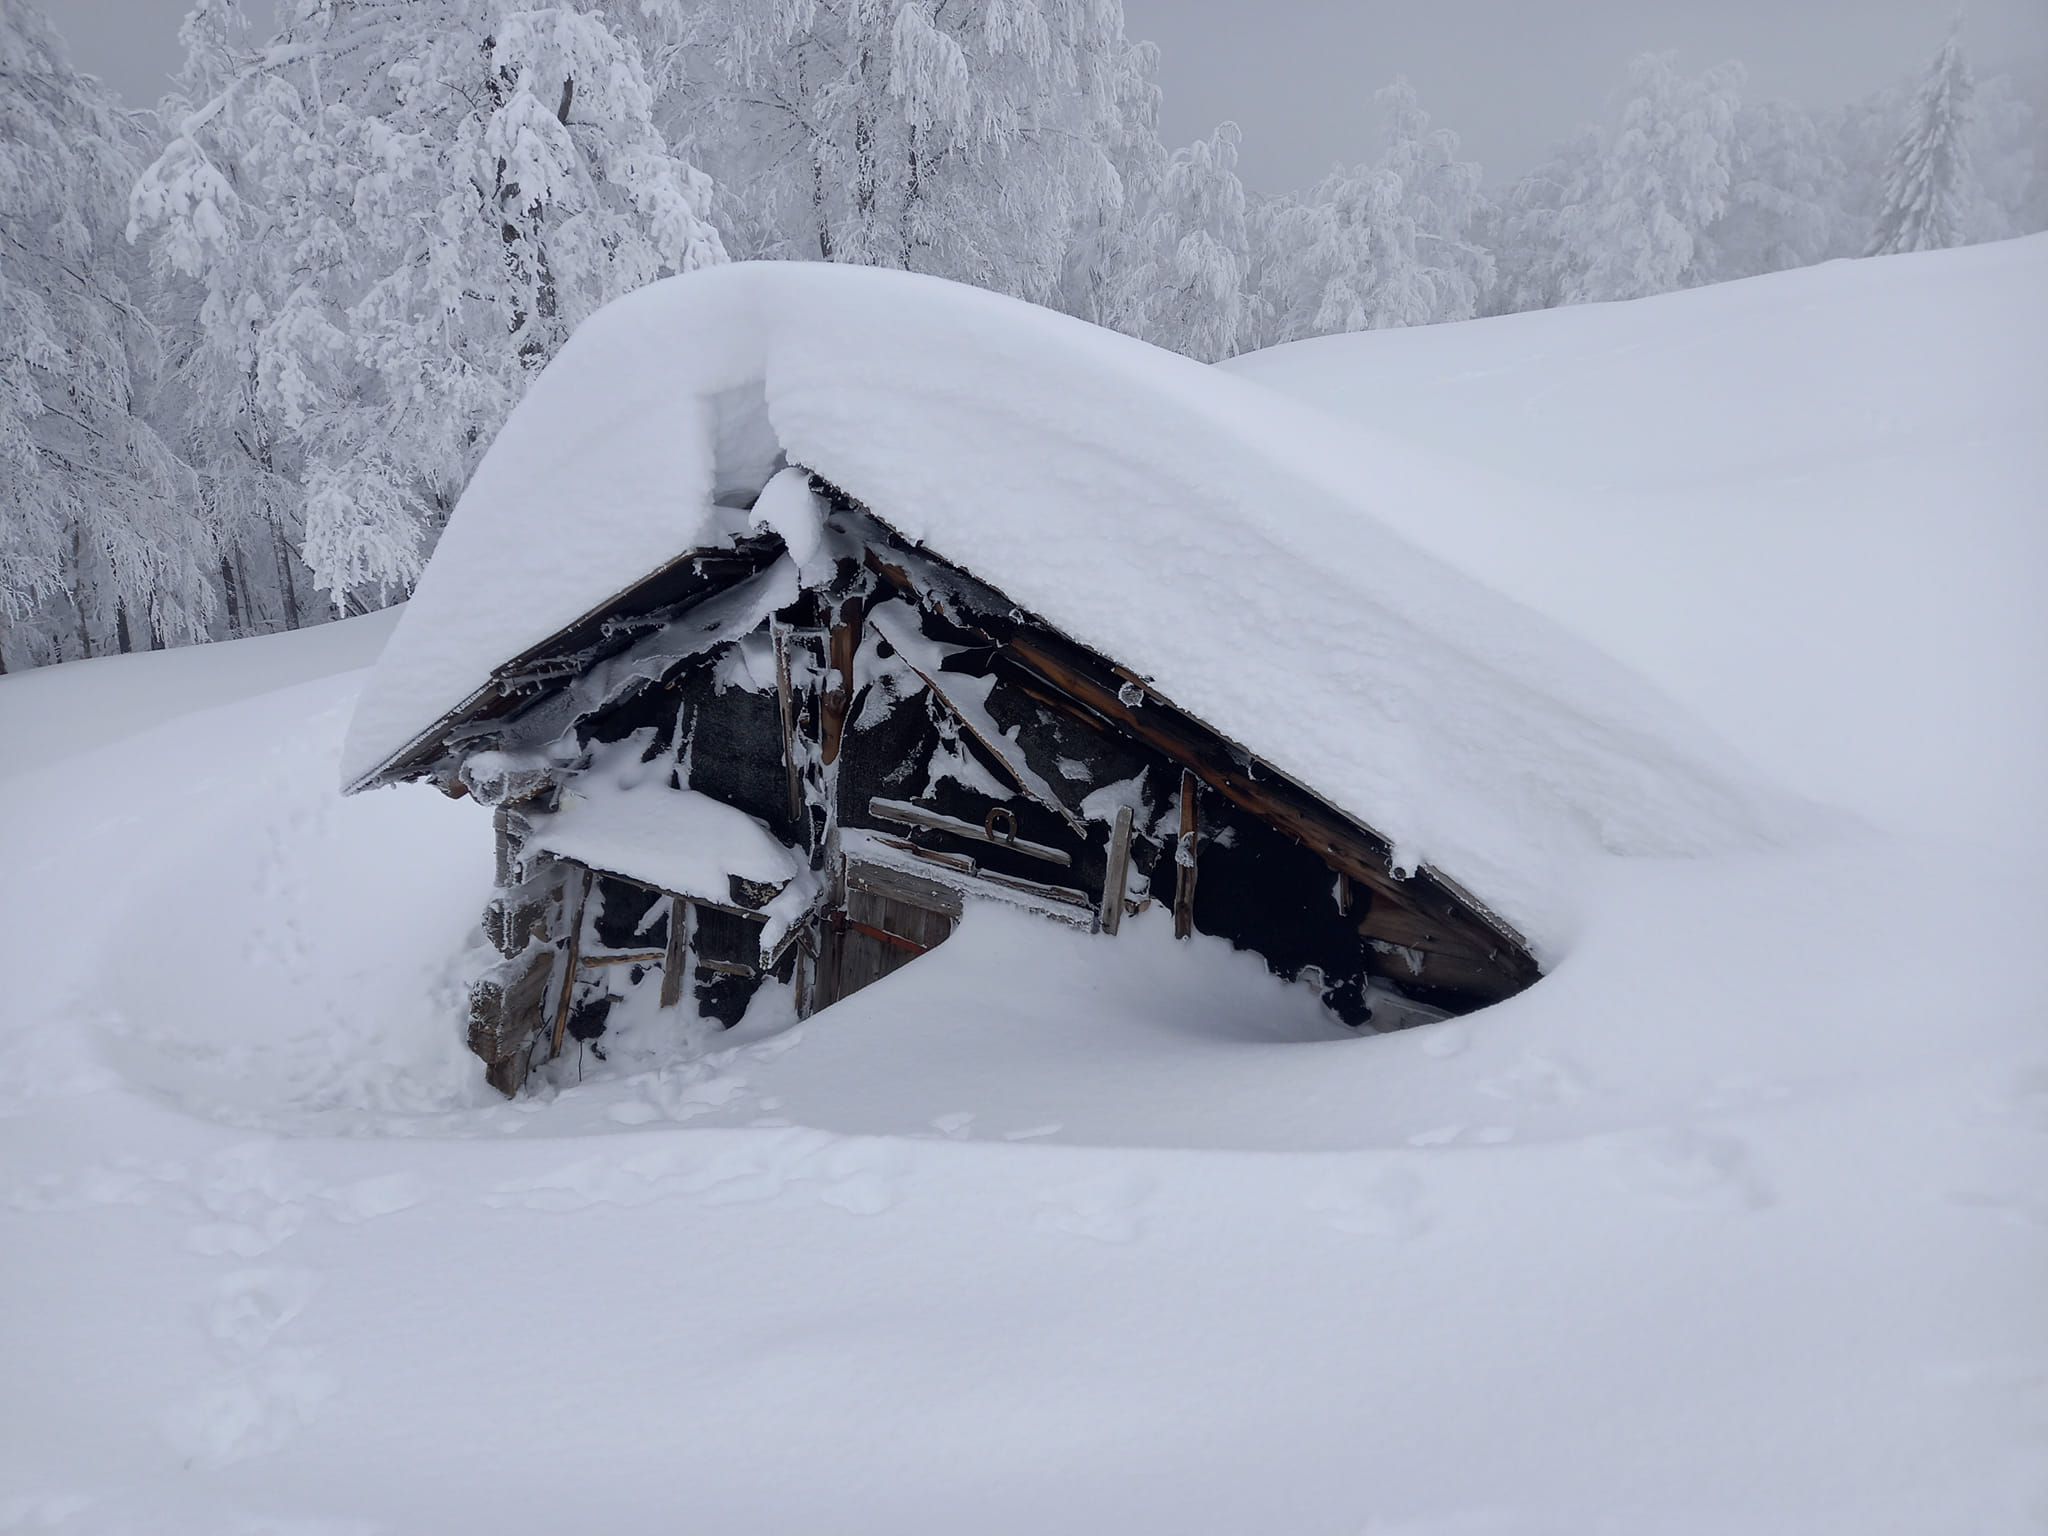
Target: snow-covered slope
x=1732 y=1225
x=1200 y=530
x=1813 y=507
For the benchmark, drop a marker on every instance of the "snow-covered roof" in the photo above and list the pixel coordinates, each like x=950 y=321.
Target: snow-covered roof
x=1198 y=528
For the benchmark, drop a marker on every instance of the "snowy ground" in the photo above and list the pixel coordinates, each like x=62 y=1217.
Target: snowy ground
x=1734 y=1224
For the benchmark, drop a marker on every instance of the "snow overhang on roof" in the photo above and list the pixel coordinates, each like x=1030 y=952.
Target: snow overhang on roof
x=1206 y=533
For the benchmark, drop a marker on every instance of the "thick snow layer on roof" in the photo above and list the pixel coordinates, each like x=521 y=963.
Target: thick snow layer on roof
x=1198 y=528
x=1808 y=506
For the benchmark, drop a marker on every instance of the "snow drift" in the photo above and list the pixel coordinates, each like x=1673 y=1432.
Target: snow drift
x=1207 y=533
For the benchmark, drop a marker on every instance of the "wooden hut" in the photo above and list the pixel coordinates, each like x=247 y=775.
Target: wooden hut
x=797 y=607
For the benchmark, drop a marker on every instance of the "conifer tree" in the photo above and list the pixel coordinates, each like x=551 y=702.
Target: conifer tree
x=1927 y=184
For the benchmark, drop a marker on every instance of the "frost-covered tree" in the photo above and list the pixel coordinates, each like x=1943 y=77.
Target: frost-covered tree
x=1441 y=199
x=1538 y=223
x=1927 y=183
x=967 y=138
x=1781 y=210
x=100 y=547
x=210 y=293
x=2008 y=146
x=398 y=210
x=1183 y=284
x=1379 y=245
x=1665 y=178
x=1621 y=213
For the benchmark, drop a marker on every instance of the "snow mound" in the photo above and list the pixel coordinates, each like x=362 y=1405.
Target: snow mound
x=1197 y=528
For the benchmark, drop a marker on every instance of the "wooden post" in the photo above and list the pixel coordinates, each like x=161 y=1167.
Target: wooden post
x=1184 y=861
x=838 y=697
x=569 y=970
x=785 y=702
x=678 y=954
x=1117 y=874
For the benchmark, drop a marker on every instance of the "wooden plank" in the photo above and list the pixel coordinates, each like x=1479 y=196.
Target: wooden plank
x=898 y=885
x=673 y=958
x=1111 y=912
x=1184 y=861
x=904 y=813
x=726 y=967
x=1010 y=758
x=1065 y=895
x=505 y=1006
x=925 y=927
x=958 y=861
x=680 y=583
x=1072 y=685
x=838 y=695
x=636 y=957
x=569 y=970
x=883 y=935
x=1394 y=924
x=785 y=704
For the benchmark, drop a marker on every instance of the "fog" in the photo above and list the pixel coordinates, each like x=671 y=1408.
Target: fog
x=1510 y=76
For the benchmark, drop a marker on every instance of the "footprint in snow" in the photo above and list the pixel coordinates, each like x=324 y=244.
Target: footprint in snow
x=1537 y=1079
x=1108 y=1209
x=862 y=1178
x=856 y=1176
x=1386 y=1204
x=1676 y=1166
x=256 y=1200
x=125 y=1181
x=367 y=1199
x=248 y=1412
x=251 y=1305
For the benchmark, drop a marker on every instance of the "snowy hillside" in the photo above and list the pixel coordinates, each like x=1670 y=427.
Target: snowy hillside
x=1731 y=1226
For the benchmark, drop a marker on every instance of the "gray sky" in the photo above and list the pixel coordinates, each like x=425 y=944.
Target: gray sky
x=1511 y=76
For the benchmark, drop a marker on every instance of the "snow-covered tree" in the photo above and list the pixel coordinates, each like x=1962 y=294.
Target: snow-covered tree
x=398 y=210
x=1378 y=245
x=1665 y=178
x=1781 y=210
x=1618 y=214
x=1538 y=222
x=97 y=513
x=211 y=298
x=1927 y=182
x=966 y=138
x=2008 y=145
x=1184 y=281
x=1441 y=199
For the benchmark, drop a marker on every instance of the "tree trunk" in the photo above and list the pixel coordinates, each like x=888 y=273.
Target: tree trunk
x=284 y=577
x=231 y=596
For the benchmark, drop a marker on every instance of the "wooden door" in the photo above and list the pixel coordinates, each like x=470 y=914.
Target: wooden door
x=890 y=919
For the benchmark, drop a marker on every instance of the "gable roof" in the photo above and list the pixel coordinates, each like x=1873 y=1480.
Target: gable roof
x=1199 y=529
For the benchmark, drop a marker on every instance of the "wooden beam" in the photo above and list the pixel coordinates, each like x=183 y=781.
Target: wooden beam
x=674 y=957
x=1071 y=680
x=894 y=940
x=785 y=704
x=1111 y=911
x=899 y=885
x=569 y=970
x=906 y=814
x=1184 y=861
x=841 y=647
